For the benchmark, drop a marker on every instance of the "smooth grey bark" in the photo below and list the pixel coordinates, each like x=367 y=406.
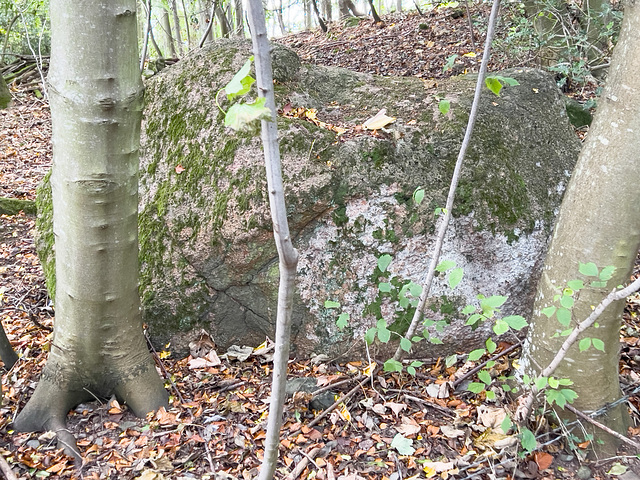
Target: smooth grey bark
x=288 y=256
x=96 y=94
x=599 y=222
x=206 y=19
x=327 y=10
x=239 y=31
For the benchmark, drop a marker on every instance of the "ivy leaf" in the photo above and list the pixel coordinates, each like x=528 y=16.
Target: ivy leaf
x=240 y=116
x=517 y=322
x=383 y=262
x=402 y=445
x=455 y=277
x=444 y=105
x=588 y=269
x=343 y=320
x=241 y=81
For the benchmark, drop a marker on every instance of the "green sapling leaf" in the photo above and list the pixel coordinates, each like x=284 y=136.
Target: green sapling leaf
x=506 y=424
x=485 y=377
x=444 y=105
x=476 y=387
x=451 y=360
x=541 y=383
x=549 y=311
x=494 y=301
x=240 y=116
x=491 y=395
x=392 y=365
x=331 y=304
x=500 y=327
x=418 y=195
x=491 y=345
x=528 y=440
x=476 y=354
x=575 y=285
x=553 y=382
x=468 y=309
x=343 y=320
x=564 y=316
x=241 y=81
x=383 y=262
x=588 y=269
x=435 y=341
x=567 y=301
x=517 y=322
x=445 y=265
x=384 y=335
x=384 y=287
x=405 y=344
x=370 y=336
x=584 y=344
x=455 y=277
x=607 y=273
x=494 y=85
x=598 y=344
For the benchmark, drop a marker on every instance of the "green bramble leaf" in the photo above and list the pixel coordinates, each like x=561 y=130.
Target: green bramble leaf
x=575 y=285
x=607 y=273
x=418 y=195
x=445 y=265
x=444 y=105
x=411 y=371
x=553 y=382
x=451 y=360
x=343 y=320
x=402 y=445
x=549 y=311
x=383 y=262
x=476 y=387
x=455 y=277
x=528 y=440
x=541 y=383
x=241 y=81
x=473 y=319
x=485 y=377
x=584 y=344
x=241 y=116
x=491 y=395
x=564 y=316
x=370 y=336
x=500 y=327
x=491 y=345
x=588 y=269
x=476 y=354
x=517 y=322
x=392 y=365
x=598 y=344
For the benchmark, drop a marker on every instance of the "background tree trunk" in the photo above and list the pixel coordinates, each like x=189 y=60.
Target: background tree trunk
x=176 y=25
x=327 y=11
x=205 y=19
x=239 y=19
x=168 y=35
x=96 y=93
x=599 y=222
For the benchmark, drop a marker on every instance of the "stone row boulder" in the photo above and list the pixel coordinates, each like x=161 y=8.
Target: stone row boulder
x=208 y=260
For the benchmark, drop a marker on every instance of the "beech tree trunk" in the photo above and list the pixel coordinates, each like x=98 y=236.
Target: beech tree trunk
x=168 y=35
x=176 y=25
x=239 y=18
x=599 y=222
x=98 y=347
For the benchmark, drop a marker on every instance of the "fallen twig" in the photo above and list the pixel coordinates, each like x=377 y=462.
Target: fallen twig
x=619 y=436
x=307 y=458
x=6 y=469
x=164 y=370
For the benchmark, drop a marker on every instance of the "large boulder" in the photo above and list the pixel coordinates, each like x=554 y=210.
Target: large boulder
x=207 y=253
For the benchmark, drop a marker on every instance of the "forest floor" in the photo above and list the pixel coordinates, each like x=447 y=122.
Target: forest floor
x=215 y=426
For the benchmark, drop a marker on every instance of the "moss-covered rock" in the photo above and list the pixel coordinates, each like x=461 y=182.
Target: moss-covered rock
x=207 y=253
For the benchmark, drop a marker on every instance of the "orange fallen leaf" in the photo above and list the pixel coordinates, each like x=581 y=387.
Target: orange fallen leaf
x=543 y=460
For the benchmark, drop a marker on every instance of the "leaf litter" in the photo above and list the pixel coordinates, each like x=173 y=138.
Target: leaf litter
x=386 y=426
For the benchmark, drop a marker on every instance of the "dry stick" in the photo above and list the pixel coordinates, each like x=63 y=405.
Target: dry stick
x=327 y=411
x=525 y=407
x=208 y=29
x=473 y=41
x=287 y=255
x=161 y=365
x=602 y=427
x=147 y=29
x=6 y=469
x=308 y=457
x=473 y=371
x=417 y=317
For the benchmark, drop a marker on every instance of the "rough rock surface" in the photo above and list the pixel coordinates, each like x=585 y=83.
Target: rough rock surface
x=207 y=252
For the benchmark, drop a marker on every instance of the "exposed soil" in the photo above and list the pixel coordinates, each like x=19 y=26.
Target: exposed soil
x=216 y=421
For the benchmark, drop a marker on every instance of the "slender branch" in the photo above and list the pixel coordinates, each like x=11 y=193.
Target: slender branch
x=6 y=469
x=475 y=370
x=208 y=29
x=417 y=317
x=525 y=404
x=147 y=30
x=308 y=458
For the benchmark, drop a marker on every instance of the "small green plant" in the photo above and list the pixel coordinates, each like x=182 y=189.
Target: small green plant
x=495 y=83
x=242 y=116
